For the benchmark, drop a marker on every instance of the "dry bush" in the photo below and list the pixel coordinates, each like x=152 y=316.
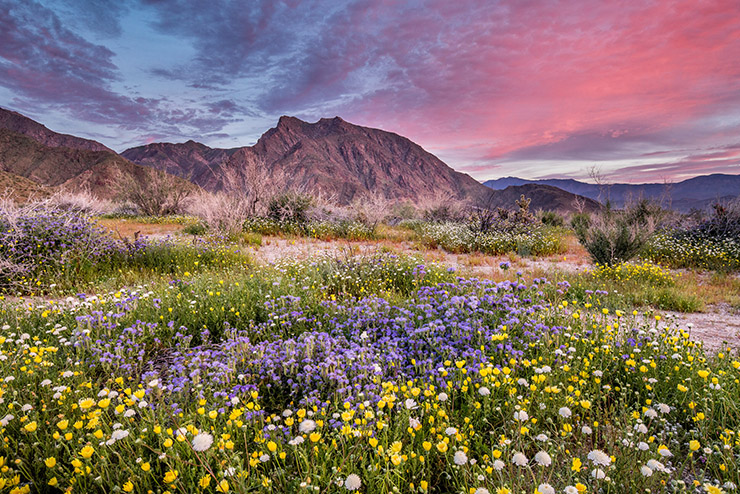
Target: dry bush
x=160 y=194
x=442 y=208
x=371 y=209
x=245 y=192
x=82 y=201
x=326 y=208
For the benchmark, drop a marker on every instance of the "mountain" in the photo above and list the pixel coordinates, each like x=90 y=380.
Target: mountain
x=330 y=156
x=30 y=151
x=338 y=159
x=698 y=192
x=549 y=198
x=19 y=124
x=22 y=189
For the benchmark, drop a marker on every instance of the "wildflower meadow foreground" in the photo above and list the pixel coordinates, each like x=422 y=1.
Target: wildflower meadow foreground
x=373 y=375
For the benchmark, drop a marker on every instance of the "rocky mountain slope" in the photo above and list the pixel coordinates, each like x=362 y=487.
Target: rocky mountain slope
x=31 y=151
x=330 y=156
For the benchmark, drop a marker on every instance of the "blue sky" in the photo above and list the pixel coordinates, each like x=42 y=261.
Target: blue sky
x=641 y=91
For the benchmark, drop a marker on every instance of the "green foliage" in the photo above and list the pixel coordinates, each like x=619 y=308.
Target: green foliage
x=612 y=236
x=195 y=229
x=324 y=230
x=580 y=222
x=460 y=238
x=552 y=218
x=290 y=207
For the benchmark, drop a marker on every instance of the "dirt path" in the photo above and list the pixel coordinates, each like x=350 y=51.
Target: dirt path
x=717 y=325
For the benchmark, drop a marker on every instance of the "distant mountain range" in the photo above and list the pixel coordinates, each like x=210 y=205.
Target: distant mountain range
x=698 y=192
x=331 y=156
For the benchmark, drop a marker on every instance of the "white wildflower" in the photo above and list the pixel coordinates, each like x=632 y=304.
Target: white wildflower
x=598 y=457
x=119 y=434
x=307 y=426
x=202 y=441
x=520 y=459
x=460 y=458
x=546 y=489
x=543 y=458
x=352 y=482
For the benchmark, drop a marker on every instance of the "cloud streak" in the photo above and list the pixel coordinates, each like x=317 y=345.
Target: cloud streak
x=485 y=84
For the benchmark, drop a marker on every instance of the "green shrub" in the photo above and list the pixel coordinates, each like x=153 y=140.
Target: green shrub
x=290 y=207
x=195 y=229
x=552 y=218
x=616 y=236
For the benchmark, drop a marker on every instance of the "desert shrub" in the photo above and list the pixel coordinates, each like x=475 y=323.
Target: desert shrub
x=39 y=240
x=580 y=221
x=486 y=219
x=402 y=211
x=159 y=194
x=44 y=247
x=195 y=229
x=551 y=218
x=616 y=236
x=290 y=207
x=222 y=212
x=83 y=201
x=122 y=210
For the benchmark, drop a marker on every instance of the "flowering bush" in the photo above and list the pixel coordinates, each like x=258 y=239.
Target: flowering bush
x=41 y=246
x=458 y=237
x=682 y=250
x=383 y=375
x=713 y=243
x=324 y=230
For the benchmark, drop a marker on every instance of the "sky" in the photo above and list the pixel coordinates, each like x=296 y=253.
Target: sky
x=629 y=91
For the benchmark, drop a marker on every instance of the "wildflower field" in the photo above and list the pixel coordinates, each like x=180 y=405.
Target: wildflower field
x=204 y=372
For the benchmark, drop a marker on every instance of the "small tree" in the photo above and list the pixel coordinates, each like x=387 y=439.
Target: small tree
x=157 y=194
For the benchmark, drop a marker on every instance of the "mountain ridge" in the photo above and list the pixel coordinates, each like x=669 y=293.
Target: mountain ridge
x=331 y=155
x=30 y=151
x=696 y=192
